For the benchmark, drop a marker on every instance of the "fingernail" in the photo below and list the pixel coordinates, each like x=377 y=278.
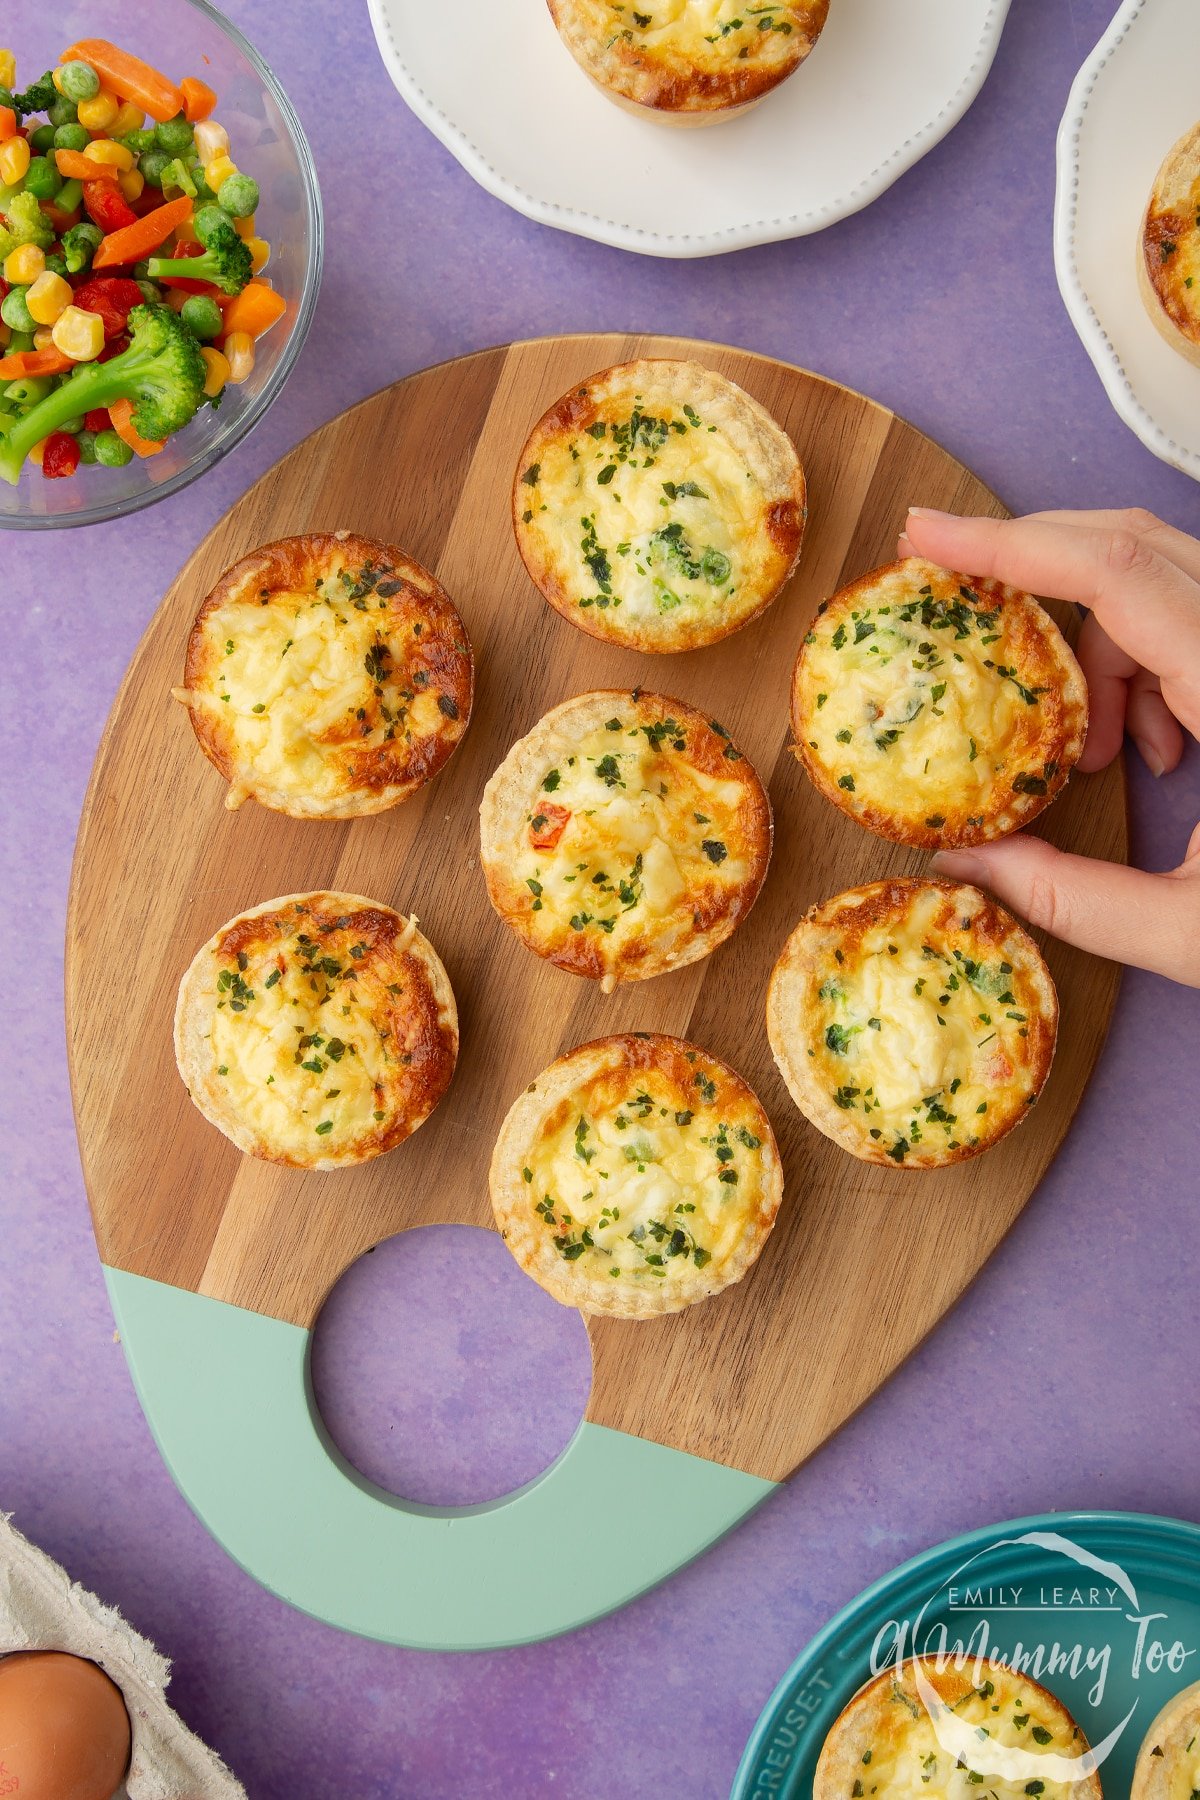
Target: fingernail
x=959 y=865
x=903 y=547
x=928 y=512
x=1150 y=757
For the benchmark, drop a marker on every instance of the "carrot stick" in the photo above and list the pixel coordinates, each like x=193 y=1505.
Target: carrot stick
x=254 y=310
x=8 y=123
x=75 y=165
x=121 y=414
x=133 y=242
x=198 y=99
x=128 y=76
x=33 y=362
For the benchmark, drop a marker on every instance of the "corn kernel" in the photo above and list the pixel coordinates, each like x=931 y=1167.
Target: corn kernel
x=79 y=334
x=38 y=452
x=210 y=139
x=14 y=160
x=129 y=118
x=131 y=183
x=216 y=370
x=43 y=338
x=56 y=78
x=8 y=68
x=23 y=265
x=239 y=353
x=219 y=169
x=260 y=252
x=107 y=150
x=47 y=297
x=99 y=113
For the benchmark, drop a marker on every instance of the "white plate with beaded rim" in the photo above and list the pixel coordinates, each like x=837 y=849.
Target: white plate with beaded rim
x=885 y=84
x=1134 y=97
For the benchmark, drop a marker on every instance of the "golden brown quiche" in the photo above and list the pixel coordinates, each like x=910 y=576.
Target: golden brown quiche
x=1168 y=1764
x=934 y=709
x=913 y=1021
x=688 y=62
x=318 y=1030
x=624 y=836
x=327 y=676
x=954 y=1734
x=1168 y=261
x=635 y=1176
x=659 y=506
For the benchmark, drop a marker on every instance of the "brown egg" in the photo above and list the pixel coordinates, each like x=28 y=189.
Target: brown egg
x=64 y=1730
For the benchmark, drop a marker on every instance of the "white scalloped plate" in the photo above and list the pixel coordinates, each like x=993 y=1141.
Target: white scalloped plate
x=883 y=86
x=1135 y=96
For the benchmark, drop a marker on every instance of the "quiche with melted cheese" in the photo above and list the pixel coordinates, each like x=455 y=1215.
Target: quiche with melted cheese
x=955 y=1734
x=327 y=676
x=934 y=709
x=624 y=836
x=658 y=506
x=1168 y=263
x=913 y=1021
x=688 y=62
x=1168 y=1764
x=318 y=1030
x=635 y=1176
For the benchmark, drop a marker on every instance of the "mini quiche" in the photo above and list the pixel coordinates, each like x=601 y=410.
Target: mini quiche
x=658 y=506
x=934 y=709
x=327 y=676
x=626 y=835
x=913 y=1021
x=954 y=1734
x=318 y=1030
x=1168 y=261
x=688 y=62
x=636 y=1175
x=1168 y=1764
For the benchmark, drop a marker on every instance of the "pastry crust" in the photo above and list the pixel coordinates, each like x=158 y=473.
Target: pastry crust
x=688 y=61
x=658 y=506
x=1168 y=1764
x=624 y=836
x=936 y=709
x=317 y=1030
x=913 y=1021
x=327 y=676
x=1009 y=1732
x=1168 y=263
x=636 y=1176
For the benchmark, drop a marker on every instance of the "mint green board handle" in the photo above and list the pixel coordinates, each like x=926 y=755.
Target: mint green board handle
x=229 y=1400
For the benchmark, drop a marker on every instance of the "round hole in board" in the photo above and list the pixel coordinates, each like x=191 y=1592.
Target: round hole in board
x=443 y=1373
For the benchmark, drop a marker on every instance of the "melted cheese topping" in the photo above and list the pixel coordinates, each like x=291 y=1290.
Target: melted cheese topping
x=1172 y=250
x=317 y=689
x=627 y=835
x=903 y=1754
x=645 y=1176
x=708 y=35
x=919 y=1037
x=655 y=514
x=919 y=701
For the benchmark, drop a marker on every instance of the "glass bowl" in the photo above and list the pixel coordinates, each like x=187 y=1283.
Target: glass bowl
x=190 y=37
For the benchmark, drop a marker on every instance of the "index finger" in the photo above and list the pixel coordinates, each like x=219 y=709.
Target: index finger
x=1146 y=604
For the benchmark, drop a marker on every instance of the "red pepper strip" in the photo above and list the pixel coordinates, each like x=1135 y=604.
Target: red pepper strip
x=97 y=419
x=114 y=348
x=107 y=206
x=549 y=823
x=61 y=455
x=113 y=297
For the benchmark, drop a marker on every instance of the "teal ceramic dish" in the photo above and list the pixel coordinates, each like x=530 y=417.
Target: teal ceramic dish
x=1117 y=1595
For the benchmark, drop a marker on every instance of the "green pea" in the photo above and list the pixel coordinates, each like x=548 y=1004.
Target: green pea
x=202 y=316
x=78 y=81
x=238 y=195
x=70 y=137
x=63 y=112
x=41 y=138
x=206 y=219
x=57 y=265
x=138 y=142
x=74 y=426
x=152 y=163
x=152 y=294
x=14 y=311
x=42 y=179
x=87 y=446
x=112 y=451
x=175 y=136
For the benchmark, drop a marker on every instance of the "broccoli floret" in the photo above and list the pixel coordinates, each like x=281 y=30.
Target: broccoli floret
x=80 y=244
x=40 y=97
x=225 y=261
x=162 y=372
x=26 y=224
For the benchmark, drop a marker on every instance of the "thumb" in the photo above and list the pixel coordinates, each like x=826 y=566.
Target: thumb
x=1128 y=915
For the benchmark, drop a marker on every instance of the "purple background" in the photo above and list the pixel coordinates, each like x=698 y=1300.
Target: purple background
x=1068 y=1375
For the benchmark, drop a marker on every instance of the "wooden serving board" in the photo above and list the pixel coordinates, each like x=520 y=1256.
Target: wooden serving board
x=863 y=1260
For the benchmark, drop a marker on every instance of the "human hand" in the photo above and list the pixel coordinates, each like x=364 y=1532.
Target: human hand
x=1140 y=652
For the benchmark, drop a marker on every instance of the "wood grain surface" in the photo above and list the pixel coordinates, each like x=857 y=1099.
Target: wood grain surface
x=864 y=1260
